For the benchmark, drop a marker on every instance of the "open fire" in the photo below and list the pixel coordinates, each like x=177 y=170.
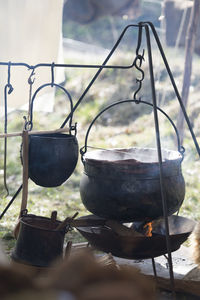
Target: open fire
x=139 y=241
x=148 y=227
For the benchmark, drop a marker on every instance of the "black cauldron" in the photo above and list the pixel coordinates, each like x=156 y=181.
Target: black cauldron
x=52 y=157
x=124 y=184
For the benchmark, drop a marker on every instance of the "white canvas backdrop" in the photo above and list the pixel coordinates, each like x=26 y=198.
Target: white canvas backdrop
x=30 y=31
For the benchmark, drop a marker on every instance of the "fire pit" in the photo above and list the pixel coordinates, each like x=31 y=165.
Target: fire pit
x=129 y=243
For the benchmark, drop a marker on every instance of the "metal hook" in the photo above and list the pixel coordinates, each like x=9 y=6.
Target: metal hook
x=9 y=85
x=139 y=39
x=139 y=80
x=30 y=79
x=52 y=74
x=73 y=128
x=27 y=124
x=140 y=57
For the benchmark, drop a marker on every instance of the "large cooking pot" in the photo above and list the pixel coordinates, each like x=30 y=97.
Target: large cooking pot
x=52 y=157
x=124 y=184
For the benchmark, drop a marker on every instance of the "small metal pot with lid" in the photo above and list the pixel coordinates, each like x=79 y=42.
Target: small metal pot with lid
x=124 y=184
x=52 y=157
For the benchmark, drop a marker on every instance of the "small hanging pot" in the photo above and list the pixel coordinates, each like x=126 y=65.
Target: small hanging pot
x=52 y=157
x=124 y=184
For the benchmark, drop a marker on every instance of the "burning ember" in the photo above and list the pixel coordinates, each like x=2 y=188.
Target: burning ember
x=148 y=227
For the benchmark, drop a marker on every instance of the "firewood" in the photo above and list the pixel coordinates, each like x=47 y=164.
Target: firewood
x=86 y=222
x=66 y=222
x=68 y=249
x=121 y=229
x=180 y=285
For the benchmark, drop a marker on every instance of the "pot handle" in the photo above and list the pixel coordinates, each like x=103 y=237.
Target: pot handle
x=83 y=150
x=29 y=124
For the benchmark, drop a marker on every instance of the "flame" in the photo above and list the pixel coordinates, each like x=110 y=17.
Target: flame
x=149 y=229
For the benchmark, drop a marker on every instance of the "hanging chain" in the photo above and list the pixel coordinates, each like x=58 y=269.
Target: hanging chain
x=28 y=124
x=138 y=63
x=7 y=90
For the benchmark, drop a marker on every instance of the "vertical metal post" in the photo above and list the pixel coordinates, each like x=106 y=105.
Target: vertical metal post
x=175 y=87
x=158 y=143
x=154 y=268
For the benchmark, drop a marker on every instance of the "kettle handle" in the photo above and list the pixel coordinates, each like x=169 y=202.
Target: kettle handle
x=83 y=150
x=30 y=122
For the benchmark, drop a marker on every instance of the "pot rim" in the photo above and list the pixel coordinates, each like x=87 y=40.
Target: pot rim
x=30 y=216
x=174 y=155
x=54 y=136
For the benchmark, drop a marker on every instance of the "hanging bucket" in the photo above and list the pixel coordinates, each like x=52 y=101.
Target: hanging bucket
x=38 y=242
x=52 y=157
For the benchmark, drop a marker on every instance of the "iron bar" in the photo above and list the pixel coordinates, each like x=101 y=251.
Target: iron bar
x=79 y=65
x=11 y=201
x=158 y=142
x=7 y=90
x=97 y=66
x=5 y=141
x=103 y=66
x=174 y=86
x=154 y=268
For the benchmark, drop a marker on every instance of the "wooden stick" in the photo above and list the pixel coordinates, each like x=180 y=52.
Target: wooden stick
x=14 y=134
x=25 y=179
x=68 y=249
x=180 y=285
x=114 y=225
x=66 y=222
x=53 y=216
x=25 y=170
x=121 y=229
x=87 y=222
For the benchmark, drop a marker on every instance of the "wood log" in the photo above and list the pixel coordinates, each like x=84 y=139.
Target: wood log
x=14 y=134
x=180 y=285
x=66 y=222
x=114 y=225
x=25 y=179
x=87 y=222
x=121 y=229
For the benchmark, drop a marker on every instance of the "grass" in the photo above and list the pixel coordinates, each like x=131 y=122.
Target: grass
x=124 y=126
